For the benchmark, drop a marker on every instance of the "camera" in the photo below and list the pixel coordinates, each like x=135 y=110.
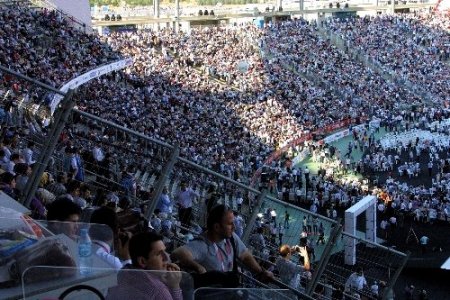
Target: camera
x=296 y=248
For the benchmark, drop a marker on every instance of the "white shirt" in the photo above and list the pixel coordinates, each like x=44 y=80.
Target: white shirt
x=98 y=154
x=104 y=252
x=355 y=282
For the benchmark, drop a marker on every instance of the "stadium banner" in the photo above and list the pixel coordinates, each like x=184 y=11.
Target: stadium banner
x=83 y=78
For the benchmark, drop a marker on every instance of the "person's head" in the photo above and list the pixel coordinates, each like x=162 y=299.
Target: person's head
x=360 y=271
x=64 y=216
x=8 y=179
x=285 y=250
x=221 y=221
x=106 y=216
x=21 y=169
x=73 y=188
x=62 y=177
x=85 y=190
x=148 y=251
x=15 y=157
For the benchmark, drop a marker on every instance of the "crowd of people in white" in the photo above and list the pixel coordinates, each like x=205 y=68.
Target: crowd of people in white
x=230 y=96
x=414 y=46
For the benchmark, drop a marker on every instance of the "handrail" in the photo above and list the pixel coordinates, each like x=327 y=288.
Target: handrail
x=277 y=283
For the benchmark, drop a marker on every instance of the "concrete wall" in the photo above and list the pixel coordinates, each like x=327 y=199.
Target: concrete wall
x=79 y=9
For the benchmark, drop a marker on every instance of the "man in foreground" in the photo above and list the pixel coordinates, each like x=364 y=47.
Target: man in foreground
x=218 y=248
x=138 y=282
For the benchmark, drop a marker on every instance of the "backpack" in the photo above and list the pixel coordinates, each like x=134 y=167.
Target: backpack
x=46 y=252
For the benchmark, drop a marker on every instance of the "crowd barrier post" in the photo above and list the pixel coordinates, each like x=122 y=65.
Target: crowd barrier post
x=335 y=233
x=393 y=279
x=164 y=177
x=249 y=227
x=49 y=147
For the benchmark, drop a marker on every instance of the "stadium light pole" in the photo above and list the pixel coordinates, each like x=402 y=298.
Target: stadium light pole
x=177 y=16
x=302 y=7
x=156 y=10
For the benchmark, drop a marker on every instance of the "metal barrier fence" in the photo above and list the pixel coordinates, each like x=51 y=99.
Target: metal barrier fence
x=155 y=164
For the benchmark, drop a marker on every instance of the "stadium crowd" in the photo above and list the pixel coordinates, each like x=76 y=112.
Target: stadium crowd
x=415 y=47
x=227 y=103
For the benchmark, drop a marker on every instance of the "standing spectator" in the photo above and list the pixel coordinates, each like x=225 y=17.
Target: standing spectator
x=239 y=224
x=185 y=200
x=321 y=238
x=239 y=201
x=424 y=243
x=315 y=227
x=164 y=203
x=128 y=182
x=76 y=164
x=290 y=273
x=27 y=153
x=286 y=219
x=280 y=234
x=356 y=281
x=212 y=197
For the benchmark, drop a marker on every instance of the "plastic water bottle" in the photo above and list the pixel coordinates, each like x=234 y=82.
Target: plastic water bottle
x=85 y=252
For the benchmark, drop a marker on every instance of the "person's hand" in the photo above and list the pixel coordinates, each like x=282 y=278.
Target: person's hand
x=172 y=278
x=303 y=251
x=201 y=269
x=124 y=240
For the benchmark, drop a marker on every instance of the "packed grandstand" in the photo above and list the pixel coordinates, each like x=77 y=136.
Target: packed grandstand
x=251 y=111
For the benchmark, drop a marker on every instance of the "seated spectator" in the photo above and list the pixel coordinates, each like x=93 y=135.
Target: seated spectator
x=105 y=238
x=147 y=252
x=63 y=216
x=8 y=184
x=58 y=188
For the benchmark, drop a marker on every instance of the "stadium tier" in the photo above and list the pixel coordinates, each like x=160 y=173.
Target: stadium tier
x=238 y=151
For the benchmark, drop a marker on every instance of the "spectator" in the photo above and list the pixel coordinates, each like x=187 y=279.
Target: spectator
x=62 y=216
x=147 y=276
x=356 y=281
x=218 y=247
x=185 y=199
x=106 y=236
x=290 y=273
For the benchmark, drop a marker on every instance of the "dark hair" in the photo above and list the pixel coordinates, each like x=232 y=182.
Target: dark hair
x=141 y=244
x=61 y=176
x=107 y=216
x=7 y=177
x=14 y=156
x=216 y=215
x=73 y=185
x=21 y=168
x=61 y=209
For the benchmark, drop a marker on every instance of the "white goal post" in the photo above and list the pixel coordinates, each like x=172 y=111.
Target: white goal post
x=367 y=204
